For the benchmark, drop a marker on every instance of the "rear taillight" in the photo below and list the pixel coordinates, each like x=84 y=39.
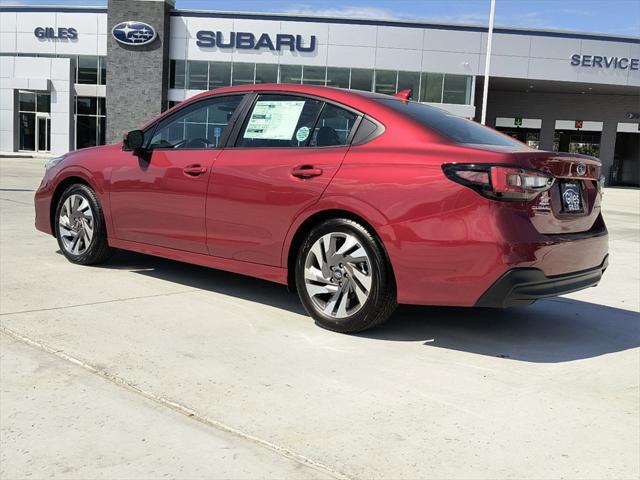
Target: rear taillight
x=498 y=182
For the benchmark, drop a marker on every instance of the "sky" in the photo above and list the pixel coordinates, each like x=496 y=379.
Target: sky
x=616 y=17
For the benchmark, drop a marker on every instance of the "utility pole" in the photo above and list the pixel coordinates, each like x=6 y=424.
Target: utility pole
x=487 y=64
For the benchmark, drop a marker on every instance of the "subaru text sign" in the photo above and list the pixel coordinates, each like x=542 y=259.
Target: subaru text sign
x=248 y=41
x=134 y=33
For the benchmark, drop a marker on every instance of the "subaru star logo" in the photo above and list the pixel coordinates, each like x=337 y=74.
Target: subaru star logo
x=581 y=169
x=133 y=33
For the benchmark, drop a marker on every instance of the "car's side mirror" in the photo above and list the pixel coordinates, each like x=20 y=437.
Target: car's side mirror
x=134 y=141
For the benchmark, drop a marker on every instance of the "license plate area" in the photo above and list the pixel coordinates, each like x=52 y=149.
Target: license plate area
x=571 y=195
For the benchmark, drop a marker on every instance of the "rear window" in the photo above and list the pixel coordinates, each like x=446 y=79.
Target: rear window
x=458 y=129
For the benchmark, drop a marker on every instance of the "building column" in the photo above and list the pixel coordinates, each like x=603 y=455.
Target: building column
x=137 y=75
x=608 y=147
x=547 y=131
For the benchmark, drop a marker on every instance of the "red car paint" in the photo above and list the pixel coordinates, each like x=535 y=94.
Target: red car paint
x=446 y=243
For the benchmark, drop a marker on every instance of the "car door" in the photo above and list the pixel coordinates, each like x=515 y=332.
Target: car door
x=159 y=197
x=287 y=151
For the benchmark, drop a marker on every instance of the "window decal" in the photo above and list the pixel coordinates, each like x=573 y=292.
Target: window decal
x=274 y=120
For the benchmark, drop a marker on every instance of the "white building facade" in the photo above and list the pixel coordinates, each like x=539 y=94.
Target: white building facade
x=554 y=90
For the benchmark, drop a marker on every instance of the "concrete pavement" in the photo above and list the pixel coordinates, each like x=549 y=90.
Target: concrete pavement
x=200 y=362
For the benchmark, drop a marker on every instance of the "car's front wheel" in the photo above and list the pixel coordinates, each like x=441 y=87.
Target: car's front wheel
x=80 y=227
x=343 y=278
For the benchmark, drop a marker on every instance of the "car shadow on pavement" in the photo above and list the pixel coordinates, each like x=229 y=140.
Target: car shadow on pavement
x=550 y=331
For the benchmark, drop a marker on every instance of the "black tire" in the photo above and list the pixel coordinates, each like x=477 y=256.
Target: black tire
x=381 y=301
x=98 y=250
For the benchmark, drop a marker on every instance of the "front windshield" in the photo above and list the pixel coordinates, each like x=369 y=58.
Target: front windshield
x=458 y=129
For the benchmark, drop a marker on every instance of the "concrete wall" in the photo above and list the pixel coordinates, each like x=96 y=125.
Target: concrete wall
x=609 y=109
x=137 y=76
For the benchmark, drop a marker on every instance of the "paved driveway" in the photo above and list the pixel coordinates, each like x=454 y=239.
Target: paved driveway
x=148 y=368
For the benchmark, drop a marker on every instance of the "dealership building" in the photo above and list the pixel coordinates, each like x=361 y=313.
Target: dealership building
x=73 y=77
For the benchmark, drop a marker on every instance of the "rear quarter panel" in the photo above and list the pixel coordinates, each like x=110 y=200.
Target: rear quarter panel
x=440 y=236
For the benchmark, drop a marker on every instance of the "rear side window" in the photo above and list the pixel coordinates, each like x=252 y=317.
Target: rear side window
x=280 y=121
x=333 y=128
x=458 y=129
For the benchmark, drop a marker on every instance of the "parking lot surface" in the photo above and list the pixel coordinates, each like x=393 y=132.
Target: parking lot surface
x=148 y=368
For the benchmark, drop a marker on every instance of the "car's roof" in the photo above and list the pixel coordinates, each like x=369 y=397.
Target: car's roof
x=353 y=98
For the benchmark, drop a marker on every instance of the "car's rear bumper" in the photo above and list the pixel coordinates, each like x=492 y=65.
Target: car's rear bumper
x=523 y=286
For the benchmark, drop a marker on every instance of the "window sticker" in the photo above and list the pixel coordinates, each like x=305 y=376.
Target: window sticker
x=302 y=134
x=274 y=120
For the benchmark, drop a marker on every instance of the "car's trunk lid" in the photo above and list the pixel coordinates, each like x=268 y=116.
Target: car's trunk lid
x=572 y=204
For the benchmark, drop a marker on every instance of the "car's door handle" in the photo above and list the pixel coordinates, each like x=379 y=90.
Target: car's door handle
x=194 y=170
x=306 y=171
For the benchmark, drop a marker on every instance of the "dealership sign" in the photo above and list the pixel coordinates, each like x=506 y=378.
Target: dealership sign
x=249 y=41
x=134 y=33
x=56 y=33
x=602 y=61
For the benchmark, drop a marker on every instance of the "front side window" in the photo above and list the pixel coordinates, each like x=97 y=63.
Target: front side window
x=198 y=126
x=280 y=121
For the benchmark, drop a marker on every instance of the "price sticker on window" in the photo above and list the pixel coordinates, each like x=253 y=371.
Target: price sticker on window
x=274 y=120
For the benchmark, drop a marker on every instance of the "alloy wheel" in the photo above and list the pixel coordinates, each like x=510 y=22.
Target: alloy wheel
x=337 y=275
x=76 y=224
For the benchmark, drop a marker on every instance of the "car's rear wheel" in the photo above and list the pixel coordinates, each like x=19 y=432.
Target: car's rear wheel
x=80 y=227
x=343 y=277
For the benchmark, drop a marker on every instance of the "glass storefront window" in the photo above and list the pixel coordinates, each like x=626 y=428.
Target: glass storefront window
x=219 y=74
x=409 y=81
x=386 y=81
x=103 y=70
x=87 y=70
x=314 y=75
x=43 y=102
x=585 y=144
x=291 y=74
x=243 y=73
x=266 y=73
x=425 y=86
x=177 y=73
x=338 y=77
x=361 y=79
x=431 y=89
x=90 y=121
x=27 y=102
x=457 y=89
x=87 y=105
x=197 y=75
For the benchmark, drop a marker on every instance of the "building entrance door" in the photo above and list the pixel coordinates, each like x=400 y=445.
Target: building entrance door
x=626 y=159
x=35 y=121
x=43 y=132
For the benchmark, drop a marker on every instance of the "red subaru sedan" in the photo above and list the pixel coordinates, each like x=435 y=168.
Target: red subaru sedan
x=355 y=200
